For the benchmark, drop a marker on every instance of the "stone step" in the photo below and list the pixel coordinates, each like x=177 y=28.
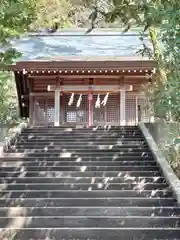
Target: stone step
x=14 y=158
x=78 y=163
x=55 y=174
x=89 y=211
x=101 y=140
x=94 y=222
x=85 y=186
x=68 y=154
x=83 y=143
x=94 y=233
x=51 y=146
x=74 y=149
x=128 y=179
x=89 y=194
x=84 y=202
x=80 y=168
x=81 y=127
x=87 y=129
x=71 y=139
x=81 y=135
x=82 y=130
x=81 y=184
x=89 y=180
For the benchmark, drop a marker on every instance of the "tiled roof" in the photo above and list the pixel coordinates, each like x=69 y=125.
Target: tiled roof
x=77 y=44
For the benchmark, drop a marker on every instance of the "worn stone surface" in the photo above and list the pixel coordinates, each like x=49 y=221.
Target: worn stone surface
x=168 y=172
x=108 y=186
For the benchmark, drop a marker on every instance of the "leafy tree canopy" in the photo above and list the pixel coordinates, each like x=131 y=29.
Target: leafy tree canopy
x=15 y=18
x=161 y=20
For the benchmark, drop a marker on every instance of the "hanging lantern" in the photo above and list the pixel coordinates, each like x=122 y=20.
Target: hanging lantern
x=98 y=102
x=105 y=99
x=79 y=101
x=71 y=100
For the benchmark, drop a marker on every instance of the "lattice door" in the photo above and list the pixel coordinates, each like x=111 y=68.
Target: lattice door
x=43 y=111
x=39 y=112
x=113 y=109
x=108 y=114
x=50 y=111
x=131 y=109
x=136 y=109
x=144 y=111
x=99 y=114
x=74 y=114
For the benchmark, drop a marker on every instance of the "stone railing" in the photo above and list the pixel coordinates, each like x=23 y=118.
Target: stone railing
x=161 y=159
x=167 y=137
x=9 y=134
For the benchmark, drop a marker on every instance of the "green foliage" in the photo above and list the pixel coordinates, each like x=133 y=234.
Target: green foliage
x=170 y=34
x=68 y=13
x=8 y=98
x=176 y=141
x=15 y=18
x=161 y=20
x=51 y=11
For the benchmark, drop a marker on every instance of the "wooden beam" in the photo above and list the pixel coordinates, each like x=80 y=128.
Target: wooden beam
x=47 y=94
x=51 y=94
x=83 y=88
x=97 y=88
x=73 y=76
x=118 y=76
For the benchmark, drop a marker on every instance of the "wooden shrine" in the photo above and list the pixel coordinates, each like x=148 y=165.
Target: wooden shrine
x=83 y=91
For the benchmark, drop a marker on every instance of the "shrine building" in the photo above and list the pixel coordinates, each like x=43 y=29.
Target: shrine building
x=78 y=79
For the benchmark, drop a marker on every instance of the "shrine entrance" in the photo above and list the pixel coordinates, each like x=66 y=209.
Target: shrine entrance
x=100 y=114
x=74 y=114
x=69 y=114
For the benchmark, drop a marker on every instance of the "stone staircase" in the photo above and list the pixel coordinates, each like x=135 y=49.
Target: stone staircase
x=73 y=184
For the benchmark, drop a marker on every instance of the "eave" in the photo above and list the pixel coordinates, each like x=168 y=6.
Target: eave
x=73 y=64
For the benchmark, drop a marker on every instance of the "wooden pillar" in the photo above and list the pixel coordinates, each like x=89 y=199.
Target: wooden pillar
x=31 y=110
x=90 y=98
x=31 y=103
x=62 y=110
x=137 y=118
x=57 y=107
x=122 y=106
x=46 y=109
